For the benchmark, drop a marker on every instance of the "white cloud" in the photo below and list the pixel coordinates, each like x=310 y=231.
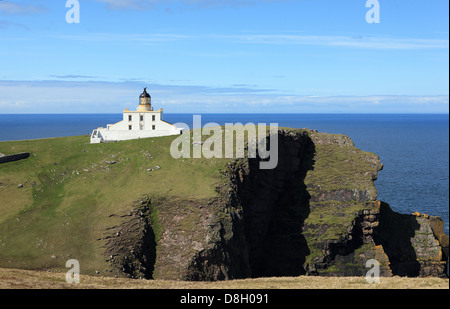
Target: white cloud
x=110 y=97
x=135 y=38
x=367 y=42
x=5 y=24
x=13 y=8
x=361 y=42
x=151 y=4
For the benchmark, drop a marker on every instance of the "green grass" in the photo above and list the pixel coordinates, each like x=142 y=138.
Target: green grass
x=338 y=166
x=69 y=190
x=335 y=167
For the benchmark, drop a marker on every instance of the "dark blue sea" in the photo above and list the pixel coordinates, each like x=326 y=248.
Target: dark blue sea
x=413 y=148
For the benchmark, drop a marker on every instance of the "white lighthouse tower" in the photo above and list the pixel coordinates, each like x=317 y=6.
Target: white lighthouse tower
x=142 y=123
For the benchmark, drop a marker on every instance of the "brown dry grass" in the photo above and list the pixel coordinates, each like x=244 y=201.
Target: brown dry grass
x=27 y=279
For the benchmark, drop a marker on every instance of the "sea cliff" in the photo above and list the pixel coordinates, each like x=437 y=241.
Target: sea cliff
x=129 y=209
x=316 y=213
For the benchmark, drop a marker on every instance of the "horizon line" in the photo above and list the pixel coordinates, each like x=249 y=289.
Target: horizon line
x=243 y=113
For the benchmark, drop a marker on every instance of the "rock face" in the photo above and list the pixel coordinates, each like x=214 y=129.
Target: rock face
x=416 y=245
x=13 y=157
x=130 y=247
x=316 y=213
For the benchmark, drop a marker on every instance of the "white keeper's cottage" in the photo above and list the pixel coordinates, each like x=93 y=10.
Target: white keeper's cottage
x=144 y=122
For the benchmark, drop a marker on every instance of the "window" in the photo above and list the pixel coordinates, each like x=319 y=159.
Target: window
x=141 y=127
x=153 y=118
x=129 y=117
x=141 y=118
x=153 y=127
x=130 y=127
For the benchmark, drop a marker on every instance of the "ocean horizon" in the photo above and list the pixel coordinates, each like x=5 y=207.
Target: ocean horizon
x=414 y=148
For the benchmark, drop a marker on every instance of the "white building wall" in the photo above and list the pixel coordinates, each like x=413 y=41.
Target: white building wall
x=116 y=135
x=139 y=128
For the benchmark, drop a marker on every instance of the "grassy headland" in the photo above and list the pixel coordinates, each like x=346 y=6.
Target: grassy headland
x=71 y=187
x=75 y=200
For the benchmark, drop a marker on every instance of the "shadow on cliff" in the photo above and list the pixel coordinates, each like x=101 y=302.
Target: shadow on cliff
x=394 y=233
x=131 y=246
x=276 y=204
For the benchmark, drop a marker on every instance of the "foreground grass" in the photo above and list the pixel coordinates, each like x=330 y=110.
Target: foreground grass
x=27 y=279
x=56 y=204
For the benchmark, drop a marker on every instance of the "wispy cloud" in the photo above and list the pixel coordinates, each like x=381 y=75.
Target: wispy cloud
x=358 y=42
x=184 y=4
x=125 y=4
x=136 y=38
x=110 y=97
x=368 y=42
x=14 y=8
x=5 y=24
x=72 y=76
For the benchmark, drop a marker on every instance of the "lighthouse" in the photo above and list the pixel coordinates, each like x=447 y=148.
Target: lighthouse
x=145 y=101
x=142 y=123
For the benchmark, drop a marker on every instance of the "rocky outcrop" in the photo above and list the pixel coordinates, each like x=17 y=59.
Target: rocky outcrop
x=316 y=213
x=275 y=204
x=13 y=157
x=130 y=247
x=415 y=245
x=348 y=255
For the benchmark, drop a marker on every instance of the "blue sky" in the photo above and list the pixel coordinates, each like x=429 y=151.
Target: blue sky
x=235 y=56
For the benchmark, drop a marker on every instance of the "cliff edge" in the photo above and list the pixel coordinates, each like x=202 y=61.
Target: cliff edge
x=130 y=209
x=316 y=213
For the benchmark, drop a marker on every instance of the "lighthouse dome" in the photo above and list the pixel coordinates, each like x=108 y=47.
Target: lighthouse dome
x=145 y=102
x=144 y=94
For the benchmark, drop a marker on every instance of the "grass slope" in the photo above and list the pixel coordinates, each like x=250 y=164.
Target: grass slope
x=70 y=187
